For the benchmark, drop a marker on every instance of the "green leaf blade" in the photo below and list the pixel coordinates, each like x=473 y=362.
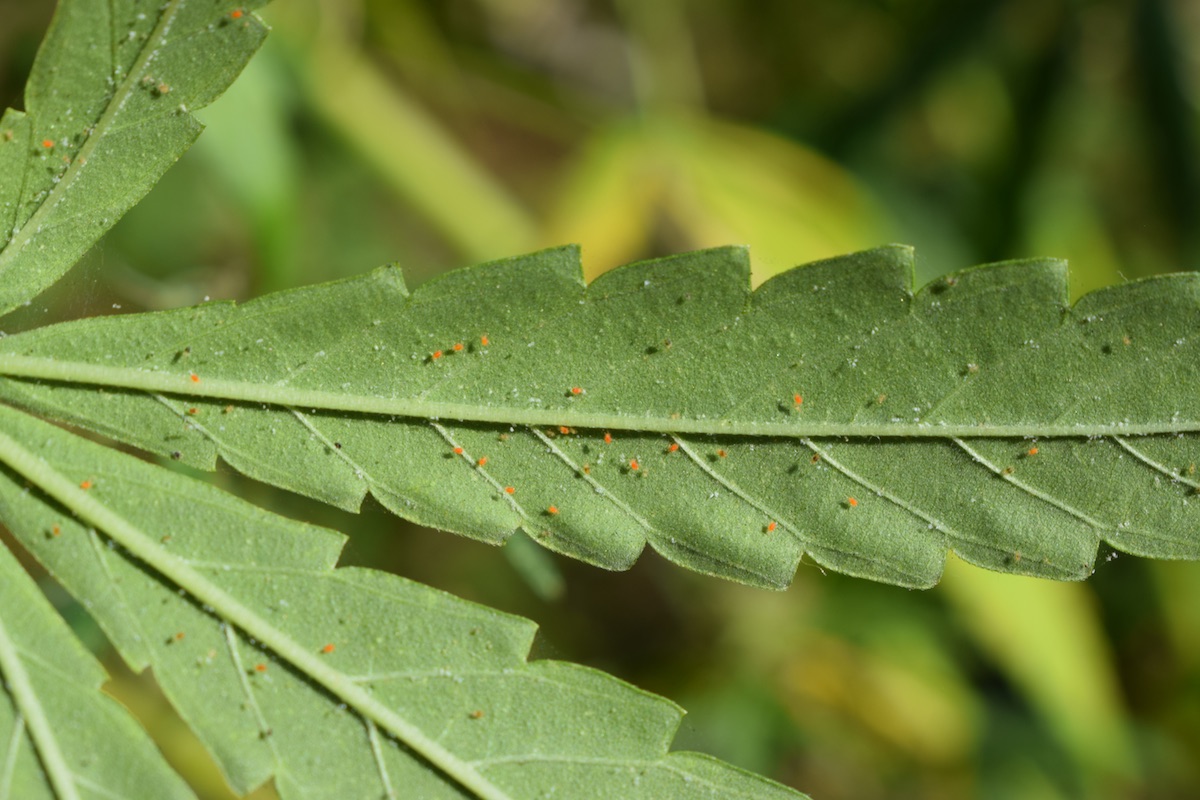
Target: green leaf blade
x=336 y=682
x=63 y=737
x=832 y=414
x=107 y=112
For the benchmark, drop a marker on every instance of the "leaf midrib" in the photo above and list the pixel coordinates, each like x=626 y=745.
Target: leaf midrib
x=78 y=373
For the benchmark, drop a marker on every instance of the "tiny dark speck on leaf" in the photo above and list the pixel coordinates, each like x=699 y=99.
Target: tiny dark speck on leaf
x=176 y=455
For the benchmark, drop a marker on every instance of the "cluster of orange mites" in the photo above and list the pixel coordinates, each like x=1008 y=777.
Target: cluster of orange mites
x=457 y=347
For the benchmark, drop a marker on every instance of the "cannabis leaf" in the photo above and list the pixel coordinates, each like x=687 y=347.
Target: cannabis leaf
x=106 y=112
x=336 y=682
x=831 y=413
x=62 y=737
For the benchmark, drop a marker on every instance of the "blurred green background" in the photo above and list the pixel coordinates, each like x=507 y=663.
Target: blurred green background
x=439 y=134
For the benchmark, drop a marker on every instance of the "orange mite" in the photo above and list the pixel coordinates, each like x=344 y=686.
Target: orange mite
x=633 y=463
x=260 y=667
x=816 y=457
x=564 y=430
x=552 y=510
x=193 y=411
x=797 y=399
x=56 y=531
x=1033 y=451
x=458 y=346
x=770 y=526
x=483 y=340
x=47 y=143
x=195 y=378
x=458 y=451
x=236 y=14
x=721 y=454
x=329 y=648
x=607 y=438
x=179 y=636
x=85 y=485
x=476 y=714
x=672 y=447
x=850 y=501
x=436 y=355
x=482 y=460
x=509 y=490
x=576 y=390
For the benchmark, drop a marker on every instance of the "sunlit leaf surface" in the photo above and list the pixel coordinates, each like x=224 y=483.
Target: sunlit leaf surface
x=832 y=413
x=336 y=682
x=62 y=738
x=107 y=111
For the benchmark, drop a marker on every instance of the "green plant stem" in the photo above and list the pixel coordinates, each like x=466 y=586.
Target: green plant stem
x=177 y=570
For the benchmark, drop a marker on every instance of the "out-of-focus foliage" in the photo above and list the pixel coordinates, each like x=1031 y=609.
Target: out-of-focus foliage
x=441 y=133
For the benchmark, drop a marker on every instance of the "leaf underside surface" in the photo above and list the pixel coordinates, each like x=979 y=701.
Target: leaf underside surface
x=832 y=413
x=335 y=682
x=107 y=111
x=61 y=737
